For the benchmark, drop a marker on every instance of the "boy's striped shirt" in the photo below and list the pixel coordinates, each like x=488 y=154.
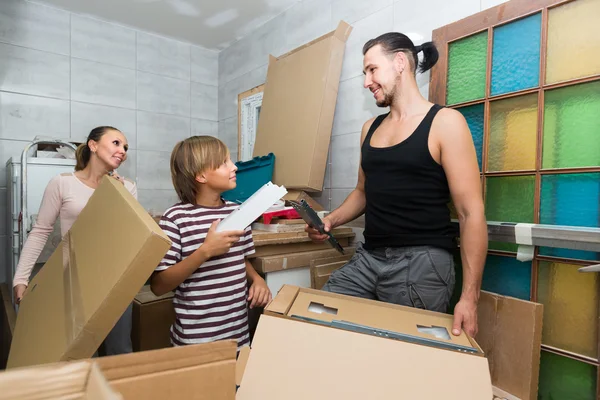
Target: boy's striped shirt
x=211 y=304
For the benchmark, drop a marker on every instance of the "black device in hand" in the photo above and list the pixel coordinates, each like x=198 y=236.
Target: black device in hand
x=312 y=219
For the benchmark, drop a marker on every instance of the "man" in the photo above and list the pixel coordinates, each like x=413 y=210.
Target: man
x=413 y=159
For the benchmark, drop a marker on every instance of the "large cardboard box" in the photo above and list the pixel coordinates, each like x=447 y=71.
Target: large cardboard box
x=152 y=319
x=88 y=282
x=204 y=371
x=317 y=345
x=296 y=117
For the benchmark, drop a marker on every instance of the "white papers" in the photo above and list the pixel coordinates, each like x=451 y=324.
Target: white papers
x=252 y=208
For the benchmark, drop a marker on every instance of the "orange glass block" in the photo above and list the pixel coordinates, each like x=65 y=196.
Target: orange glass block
x=513 y=133
x=570 y=301
x=573 y=49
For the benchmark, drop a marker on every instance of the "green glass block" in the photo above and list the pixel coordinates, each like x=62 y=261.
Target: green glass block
x=571 y=121
x=467 y=60
x=563 y=378
x=509 y=199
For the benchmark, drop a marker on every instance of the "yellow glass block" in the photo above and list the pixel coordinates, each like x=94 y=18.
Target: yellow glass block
x=573 y=49
x=570 y=301
x=513 y=133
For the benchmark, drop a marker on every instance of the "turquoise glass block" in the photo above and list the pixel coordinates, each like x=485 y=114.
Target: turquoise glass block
x=474 y=116
x=516 y=55
x=574 y=200
x=507 y=276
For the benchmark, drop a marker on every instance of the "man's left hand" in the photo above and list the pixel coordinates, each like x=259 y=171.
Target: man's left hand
x=465 y=316
x=259 y=294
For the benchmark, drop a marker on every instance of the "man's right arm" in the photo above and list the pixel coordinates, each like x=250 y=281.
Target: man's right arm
x=354 y=205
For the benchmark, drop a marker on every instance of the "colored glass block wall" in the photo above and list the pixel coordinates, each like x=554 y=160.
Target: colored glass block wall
x=534 y=116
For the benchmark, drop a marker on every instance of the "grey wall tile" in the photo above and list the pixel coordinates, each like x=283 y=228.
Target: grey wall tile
x=228 y=133
x=228 y=93
x=35 y=26
x=96 y=83
x=322 y=198
x=153 y=170
x=3 y=207
x=85 y=117
x=252 y=51
x=354 y=10
x=157 y=201
x=204 y=101
x=305 y=21
x=22 y=117
x=9 y=149
x=345 y=156
x=33 y=72
x=364 y=30
x=160 y=132
x=338 y=196
x=205 y=66
x=164 y=95
x=128 y=169
x=103 y=42
x=485 y=4
x=355 y=105
x=202 y=127
x=163 y=56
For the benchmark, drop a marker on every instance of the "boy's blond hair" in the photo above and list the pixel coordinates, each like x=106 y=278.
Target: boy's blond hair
x=191 y=157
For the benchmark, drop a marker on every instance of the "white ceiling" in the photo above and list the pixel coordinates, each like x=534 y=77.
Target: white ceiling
x=213 y=24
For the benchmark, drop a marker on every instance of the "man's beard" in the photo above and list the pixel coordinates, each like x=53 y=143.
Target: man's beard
x=388 y=99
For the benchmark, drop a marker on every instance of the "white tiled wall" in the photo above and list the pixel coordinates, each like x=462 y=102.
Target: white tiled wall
x=62 y=74
x=242 y=66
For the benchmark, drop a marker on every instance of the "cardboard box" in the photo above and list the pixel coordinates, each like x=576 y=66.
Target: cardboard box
x=8 y=319
x=298 y=195
x=152 y=320
x=86 y=285
x=80 y=380
x=296 y=116
x=510 y=333
x=203 y=371
x=321 y=269
x=294 y=260
x=305 y=356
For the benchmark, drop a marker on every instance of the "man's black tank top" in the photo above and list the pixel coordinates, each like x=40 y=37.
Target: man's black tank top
x=407 y=192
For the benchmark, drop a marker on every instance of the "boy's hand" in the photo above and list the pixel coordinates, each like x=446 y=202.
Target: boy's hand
x=259 y=294
x=217 y=243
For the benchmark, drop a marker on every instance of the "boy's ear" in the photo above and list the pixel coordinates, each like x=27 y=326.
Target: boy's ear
x=200 y=178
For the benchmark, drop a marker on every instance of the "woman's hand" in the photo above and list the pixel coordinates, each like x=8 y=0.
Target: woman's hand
x=118 y=177
x=19 y=292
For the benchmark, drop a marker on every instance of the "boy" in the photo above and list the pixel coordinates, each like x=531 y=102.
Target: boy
x=207 y=269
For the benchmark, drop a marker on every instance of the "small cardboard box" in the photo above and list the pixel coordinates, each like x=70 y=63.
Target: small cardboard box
x=152 y=320
x=88 y=282
x=296 y=117
x=203 y=371
x=298 y=195
x=307 y=356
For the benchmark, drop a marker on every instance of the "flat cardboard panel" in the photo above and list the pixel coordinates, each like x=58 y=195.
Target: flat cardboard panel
x=305 y=79
x=510 y=333
x=296 y=360
x=274 y=249
x=240 y=365
x=374 y=314
x=294 y=260
x=88 y=282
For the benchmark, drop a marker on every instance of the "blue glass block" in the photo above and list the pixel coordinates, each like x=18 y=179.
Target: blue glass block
x=516 y=55
x=474 y=116
x=574 y=200
x=507 y=276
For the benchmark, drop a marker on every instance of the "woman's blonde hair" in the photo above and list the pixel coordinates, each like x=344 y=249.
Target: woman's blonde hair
x=191 y=157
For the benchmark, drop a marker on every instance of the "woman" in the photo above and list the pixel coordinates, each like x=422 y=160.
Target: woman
x=65 y=196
